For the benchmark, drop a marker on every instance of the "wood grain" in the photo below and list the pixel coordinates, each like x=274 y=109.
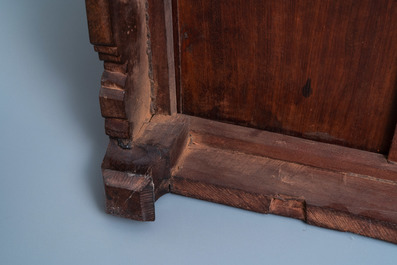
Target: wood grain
x=119 y=32
x=322 y=70
x=112 y=95
x=292 y=149
x=241 y=180
x=129 y=195
x=154 y=151
x=318 y=187
x=162 y=68
x=322 y=184
x=99 y=23
x=345 y=222
x=118 y=128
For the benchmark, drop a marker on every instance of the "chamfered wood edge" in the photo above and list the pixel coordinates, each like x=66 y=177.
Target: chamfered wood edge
x=162 y=149
x=288 y=206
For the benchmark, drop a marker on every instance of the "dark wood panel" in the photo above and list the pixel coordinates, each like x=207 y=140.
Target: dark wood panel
x=323 y=70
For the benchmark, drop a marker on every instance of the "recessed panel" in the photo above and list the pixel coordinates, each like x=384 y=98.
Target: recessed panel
x=323 y=70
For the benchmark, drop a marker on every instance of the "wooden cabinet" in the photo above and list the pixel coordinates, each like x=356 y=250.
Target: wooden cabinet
x=283 y=107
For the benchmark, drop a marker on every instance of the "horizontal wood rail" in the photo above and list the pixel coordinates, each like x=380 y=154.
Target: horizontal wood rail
x=322 y=184
x=257 y=65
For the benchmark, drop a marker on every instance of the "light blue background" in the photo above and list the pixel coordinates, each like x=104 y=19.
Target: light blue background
x=52 y=144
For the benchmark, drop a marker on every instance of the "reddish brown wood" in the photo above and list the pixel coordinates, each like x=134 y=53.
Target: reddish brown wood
x=99 y=24
x=107 y=50
x=292 y=149
x=177 y=62
x=345 y=222
x=119 y=31
x=357 y=194
x=361 y=203
x=235 y=197
x=118 y=128
x=112 y=95
x=322 y=70
x=154 y=152
x=393 y=149
x=129 y=195
x=319 y=70
x=342 y=200
x=162 y=68
x=115 y=67
x=288 y=206
x=337 y=198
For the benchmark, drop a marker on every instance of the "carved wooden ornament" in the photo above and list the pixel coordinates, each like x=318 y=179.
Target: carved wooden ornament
x=282 y=107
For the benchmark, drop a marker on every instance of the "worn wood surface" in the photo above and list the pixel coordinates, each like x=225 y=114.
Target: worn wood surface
x=254 y=170
x=162 y=68
x=323 y=70
x=354 y=196
x=129 y=195
x=119 y=31
x=99 y=22
x=261 y=174
x=292 y=149
x=152 y=154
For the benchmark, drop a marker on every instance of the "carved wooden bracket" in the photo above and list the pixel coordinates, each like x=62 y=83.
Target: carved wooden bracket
x=154 y=150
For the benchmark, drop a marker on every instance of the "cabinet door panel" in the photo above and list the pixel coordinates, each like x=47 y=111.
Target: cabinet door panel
x=323 y=70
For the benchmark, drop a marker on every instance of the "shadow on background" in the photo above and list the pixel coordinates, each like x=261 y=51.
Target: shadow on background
x=63 y=42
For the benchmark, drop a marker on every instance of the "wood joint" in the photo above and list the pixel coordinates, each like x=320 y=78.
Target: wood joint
x=161 y=54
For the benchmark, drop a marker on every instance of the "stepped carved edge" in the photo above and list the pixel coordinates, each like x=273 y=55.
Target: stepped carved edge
x=150 y=154
x=119 y=32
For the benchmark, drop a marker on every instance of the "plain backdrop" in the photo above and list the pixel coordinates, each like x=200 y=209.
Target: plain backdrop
x=51 y=193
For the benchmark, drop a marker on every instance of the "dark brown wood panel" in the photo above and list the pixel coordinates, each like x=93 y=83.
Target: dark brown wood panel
x=323 y=70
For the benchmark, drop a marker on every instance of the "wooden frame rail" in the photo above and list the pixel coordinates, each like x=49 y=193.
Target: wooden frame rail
x=154 y=150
